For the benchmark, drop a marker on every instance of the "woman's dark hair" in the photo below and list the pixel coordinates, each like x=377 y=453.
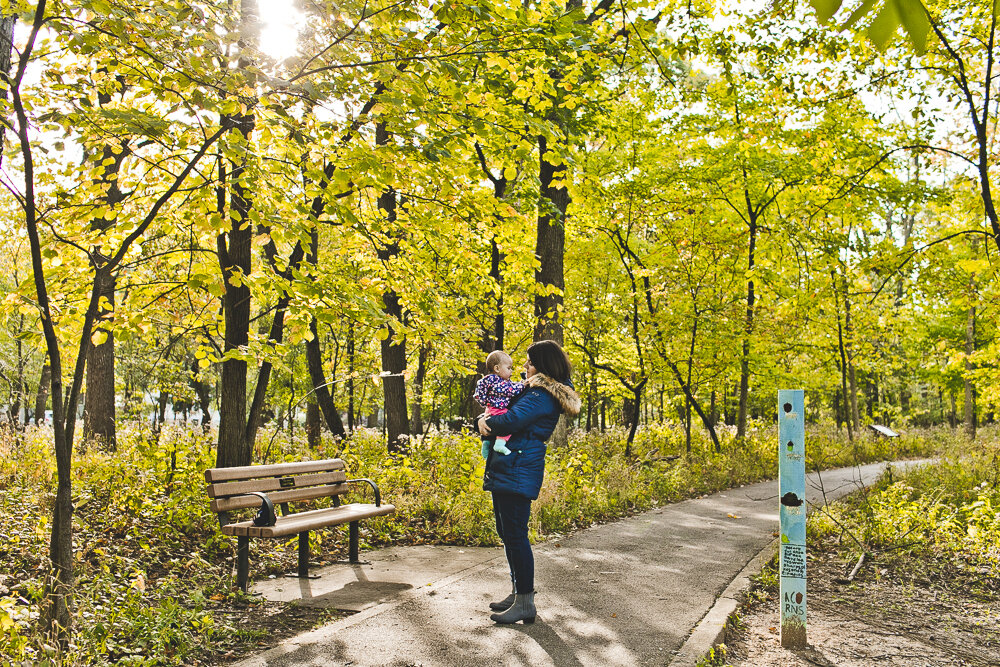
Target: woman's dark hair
x=549 y=358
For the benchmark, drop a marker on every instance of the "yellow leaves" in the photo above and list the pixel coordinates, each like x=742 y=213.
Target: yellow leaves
x=139 y=582
x=973 y=266
x=99 y=337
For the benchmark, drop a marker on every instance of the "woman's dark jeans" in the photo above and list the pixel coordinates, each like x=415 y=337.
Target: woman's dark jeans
x=512 y=514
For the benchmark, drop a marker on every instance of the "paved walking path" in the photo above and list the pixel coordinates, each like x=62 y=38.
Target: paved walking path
x=653 y=589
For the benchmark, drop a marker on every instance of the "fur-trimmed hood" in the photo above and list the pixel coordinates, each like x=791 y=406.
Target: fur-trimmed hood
x=564 y=394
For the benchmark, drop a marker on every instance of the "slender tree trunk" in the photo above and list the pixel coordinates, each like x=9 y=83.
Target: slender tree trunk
x=843 y=358
x=741 y=419
x=634 y=417
x=59 y=580
x=849 y=348
x=970 y=391
x=417 y=422
x=695 y=403
x=161 y=413
x=838 y=416
x=6 y=52
x=42 y=397
x=321 y=391
x=18 y=387
x=350 y=379
x=201 y=390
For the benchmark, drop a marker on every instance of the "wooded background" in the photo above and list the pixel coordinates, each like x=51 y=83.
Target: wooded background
x=703 y=205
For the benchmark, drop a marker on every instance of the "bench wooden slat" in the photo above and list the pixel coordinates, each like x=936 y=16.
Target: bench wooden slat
x=277 y=497
x=311 y=520
x=268 y=484
x=277 y=469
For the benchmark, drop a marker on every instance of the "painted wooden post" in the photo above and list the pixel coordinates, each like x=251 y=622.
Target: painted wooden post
x=792 y=494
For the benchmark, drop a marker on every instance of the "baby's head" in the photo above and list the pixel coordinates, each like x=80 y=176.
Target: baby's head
x=499 y=362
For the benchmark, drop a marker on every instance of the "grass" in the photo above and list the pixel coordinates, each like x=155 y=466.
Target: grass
x=154 y=575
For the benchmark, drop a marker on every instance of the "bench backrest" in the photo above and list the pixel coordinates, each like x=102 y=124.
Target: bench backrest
x=282 y=482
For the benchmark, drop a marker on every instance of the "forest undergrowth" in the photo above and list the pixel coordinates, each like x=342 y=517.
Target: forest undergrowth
x=155 y=577
x=907 y=568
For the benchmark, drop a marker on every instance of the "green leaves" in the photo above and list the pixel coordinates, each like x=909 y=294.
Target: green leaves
x=882 y=25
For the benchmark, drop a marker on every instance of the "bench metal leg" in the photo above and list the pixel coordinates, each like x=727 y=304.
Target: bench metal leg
x=242 y=562
x=303 y=570
x=352 y=548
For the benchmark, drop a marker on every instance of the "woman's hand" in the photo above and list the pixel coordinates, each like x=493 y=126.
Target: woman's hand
x=484 y=430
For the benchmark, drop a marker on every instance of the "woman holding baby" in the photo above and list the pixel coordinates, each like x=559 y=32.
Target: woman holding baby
x=515 y=479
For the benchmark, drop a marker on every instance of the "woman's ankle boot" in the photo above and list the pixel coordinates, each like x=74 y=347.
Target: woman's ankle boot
x=504 y=605
x=523 y=609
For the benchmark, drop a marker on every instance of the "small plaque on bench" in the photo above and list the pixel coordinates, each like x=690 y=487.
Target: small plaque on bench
x=287 y=482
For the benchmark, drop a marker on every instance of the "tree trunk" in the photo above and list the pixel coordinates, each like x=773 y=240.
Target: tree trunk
x=313 y=427
x=695 y=403
x=838 y=415
x=417 y=421
x=204 y=401
x=275 y=336
x=321 y=391
x=350 y=379
x=99 y=406
x=42 y=397
x=970 y=391
x=636 y=412
x=843 y=359
x=393 y=345
x=628 y=412
x=741 y=419
x=159 y=416
x=235 y=252
x=393 y=383
x=851 y=374
x=550 y=247
x=6 y=51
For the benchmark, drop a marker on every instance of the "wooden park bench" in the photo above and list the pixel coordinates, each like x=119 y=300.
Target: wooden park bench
x=268 y=486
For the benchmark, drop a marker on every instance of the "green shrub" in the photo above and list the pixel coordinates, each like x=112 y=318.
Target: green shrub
x=947 y=507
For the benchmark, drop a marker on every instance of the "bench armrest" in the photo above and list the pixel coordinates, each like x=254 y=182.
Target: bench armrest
x=378 y=496
x=266 y=512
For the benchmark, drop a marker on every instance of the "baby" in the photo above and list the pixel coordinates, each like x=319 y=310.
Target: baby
x=494 y=392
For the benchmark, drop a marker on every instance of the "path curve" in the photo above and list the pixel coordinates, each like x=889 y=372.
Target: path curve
x=646 y=590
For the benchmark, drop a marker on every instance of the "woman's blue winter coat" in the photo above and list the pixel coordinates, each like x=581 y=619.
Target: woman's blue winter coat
x=530 y=419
